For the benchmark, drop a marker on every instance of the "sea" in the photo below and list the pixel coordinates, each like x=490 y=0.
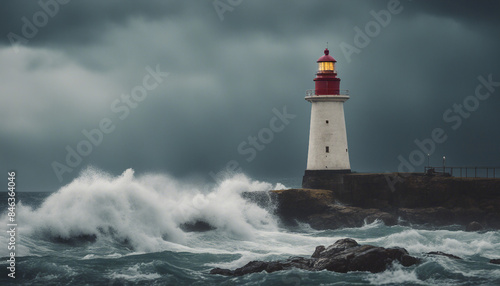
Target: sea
x=130 y=229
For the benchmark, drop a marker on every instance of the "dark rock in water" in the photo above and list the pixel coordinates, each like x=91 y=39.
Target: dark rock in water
x=439 y=253
x=220 y=271
x=495 y=261
x=75 y=240
x=343 y=244
x=318 y=250
x=408 y=260
x=251 y=267
x=343 y=256
x=198 y=226
x=474 y=226
x=401 y=255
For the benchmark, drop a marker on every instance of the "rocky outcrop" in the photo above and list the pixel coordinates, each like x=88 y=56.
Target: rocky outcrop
x=338 y=216
x=440 y=253
x=415 y=198
x=344 y=255
x=299 y=204
x=318 y=208
x=441 y=215
x=495 y=261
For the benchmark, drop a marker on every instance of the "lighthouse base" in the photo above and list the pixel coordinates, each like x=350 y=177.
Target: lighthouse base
x=324 y=179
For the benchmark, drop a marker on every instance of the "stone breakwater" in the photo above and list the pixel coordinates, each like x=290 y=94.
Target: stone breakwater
x=415 y=198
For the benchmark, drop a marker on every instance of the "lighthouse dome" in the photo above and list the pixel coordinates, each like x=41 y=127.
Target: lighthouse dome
x=326 y=57
x=326 y=64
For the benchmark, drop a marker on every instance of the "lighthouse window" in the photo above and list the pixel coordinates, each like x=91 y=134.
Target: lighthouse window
x=327 y=122
x=327 y=149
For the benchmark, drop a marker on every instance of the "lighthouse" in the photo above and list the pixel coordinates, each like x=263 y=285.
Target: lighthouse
x=328 y=154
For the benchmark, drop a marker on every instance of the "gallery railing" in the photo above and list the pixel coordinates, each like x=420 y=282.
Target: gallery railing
x=311 y=92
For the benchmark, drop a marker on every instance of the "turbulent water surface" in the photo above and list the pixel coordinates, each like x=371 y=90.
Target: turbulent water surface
x=127 y=230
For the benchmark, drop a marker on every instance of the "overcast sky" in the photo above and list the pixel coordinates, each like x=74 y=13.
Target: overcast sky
x=70 y=67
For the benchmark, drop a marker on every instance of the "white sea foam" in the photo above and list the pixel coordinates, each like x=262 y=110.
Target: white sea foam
x=459 y=243
x=374 y=224
x=135 y=273
x=145 y=211
x=397 y=275
x=94 y=256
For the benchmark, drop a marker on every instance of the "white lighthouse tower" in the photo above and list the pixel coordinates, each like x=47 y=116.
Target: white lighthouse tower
x=328 y=153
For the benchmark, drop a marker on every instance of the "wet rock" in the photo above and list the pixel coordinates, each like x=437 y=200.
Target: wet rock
x=198 y=226
x=414 y=197
x=75 y=240
x=338 y=216
x=343 y=256
x=220 y=271
x=299 y=262
x=408 y=260
x=344 y=244
x=318 y=250
x=495 y=261
x=440 y=253
x=251 y=267
x=401 y=255
x=298 y=204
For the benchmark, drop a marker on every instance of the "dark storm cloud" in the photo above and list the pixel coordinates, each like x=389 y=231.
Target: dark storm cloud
x=483 y=12
x=226 y=77
x=80 y=22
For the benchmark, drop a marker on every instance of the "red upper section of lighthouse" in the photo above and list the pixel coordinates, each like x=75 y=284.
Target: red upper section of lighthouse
x=326 y=81
x=326 y=57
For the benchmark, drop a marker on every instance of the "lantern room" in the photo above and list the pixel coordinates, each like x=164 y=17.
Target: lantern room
x=326 y=63
x=326 y=81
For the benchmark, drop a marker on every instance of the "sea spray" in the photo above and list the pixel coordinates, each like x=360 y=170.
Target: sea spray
x=136 y=221
x=459 y=243
x=144 y=212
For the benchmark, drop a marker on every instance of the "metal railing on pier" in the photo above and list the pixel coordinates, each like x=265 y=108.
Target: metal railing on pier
x=465 y=172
